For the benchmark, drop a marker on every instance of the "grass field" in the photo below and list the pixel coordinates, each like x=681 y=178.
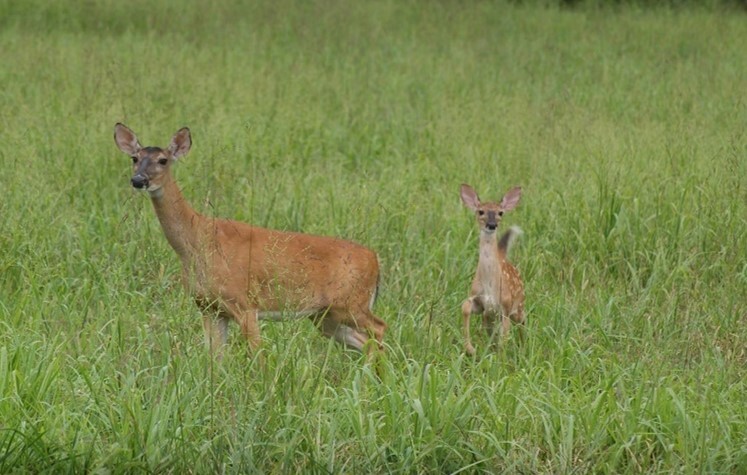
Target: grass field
x=625 y=127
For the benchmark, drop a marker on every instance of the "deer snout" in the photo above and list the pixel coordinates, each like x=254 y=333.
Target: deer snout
x=139 y=181
x=492 y=223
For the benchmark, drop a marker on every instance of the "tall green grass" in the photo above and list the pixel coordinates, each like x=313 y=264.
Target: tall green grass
x=625 y=128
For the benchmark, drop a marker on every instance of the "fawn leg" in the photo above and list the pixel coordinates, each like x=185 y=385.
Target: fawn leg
x=468 y=308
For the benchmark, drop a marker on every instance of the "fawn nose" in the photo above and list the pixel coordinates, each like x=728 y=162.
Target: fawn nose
x=491 y=223
x=139 y=181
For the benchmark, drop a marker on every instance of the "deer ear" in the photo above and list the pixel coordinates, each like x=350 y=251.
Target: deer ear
x=126 y=140
x=180 y=144
x=469 y=197
x=511 y=199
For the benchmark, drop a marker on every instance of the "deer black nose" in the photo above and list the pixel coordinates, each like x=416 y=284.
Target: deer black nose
x=139 y=181
x=492 y=227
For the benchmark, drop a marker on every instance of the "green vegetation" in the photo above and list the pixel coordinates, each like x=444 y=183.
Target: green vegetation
x=625 y=127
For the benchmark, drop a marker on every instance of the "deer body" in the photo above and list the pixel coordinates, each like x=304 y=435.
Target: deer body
x=244 y=273
x=497 y=291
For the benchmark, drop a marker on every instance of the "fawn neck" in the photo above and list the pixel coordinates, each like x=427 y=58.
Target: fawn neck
x=181 y=224
x=489 y=271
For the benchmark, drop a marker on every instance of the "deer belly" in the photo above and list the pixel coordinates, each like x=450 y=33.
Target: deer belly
x=490 y=303
x=285 y=315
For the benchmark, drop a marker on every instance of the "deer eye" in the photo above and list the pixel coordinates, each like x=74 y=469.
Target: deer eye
x=500 y=213
x=163 y=161
x=480 y=212
x=134 y=159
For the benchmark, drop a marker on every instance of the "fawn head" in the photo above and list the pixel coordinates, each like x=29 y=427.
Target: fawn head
x=489 y=214
x=151 y=164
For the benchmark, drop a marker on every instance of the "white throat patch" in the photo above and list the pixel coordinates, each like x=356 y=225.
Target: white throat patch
x=155 y=192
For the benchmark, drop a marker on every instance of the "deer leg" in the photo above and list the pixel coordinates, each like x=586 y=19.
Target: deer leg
x=247 y=319
x=370 y=329
x=522 y=330
x=521 y=321
x=488 y=324
x=496 y=334
x=250 y=329
x=468 y=308
x=216 y=332
x=354 y=329
x=366 y=322
x=505 y=326
x=342 y=333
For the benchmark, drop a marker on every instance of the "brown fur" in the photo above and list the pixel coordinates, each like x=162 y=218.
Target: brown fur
x=240 y=272
x=497 y=290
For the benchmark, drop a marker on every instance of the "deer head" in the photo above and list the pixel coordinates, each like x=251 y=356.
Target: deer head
x=489 y=214
x=151 y=164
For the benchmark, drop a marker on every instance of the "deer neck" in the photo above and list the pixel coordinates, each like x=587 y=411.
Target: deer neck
x=489 y=271
x=181 y=224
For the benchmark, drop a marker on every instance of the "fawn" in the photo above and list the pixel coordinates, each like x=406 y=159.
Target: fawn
x=241 y=272
x=497 y=290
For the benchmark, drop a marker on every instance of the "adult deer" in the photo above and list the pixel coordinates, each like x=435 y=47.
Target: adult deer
x=497 y=290
x=245 y=273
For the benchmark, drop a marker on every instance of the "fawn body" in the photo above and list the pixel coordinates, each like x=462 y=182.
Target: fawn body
x=241 y=272
x=497 y=290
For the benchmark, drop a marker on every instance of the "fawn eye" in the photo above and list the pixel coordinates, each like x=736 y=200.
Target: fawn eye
x=163 y=161
x=134 y=159
x=500 y=213
x=481 y=212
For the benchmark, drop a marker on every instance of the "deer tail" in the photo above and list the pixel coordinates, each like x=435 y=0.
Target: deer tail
x=508 y=239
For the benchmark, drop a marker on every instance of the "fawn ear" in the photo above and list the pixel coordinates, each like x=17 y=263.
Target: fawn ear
x=180 y=144
x=511 y=199
x=469 y=197
x=126 y=140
